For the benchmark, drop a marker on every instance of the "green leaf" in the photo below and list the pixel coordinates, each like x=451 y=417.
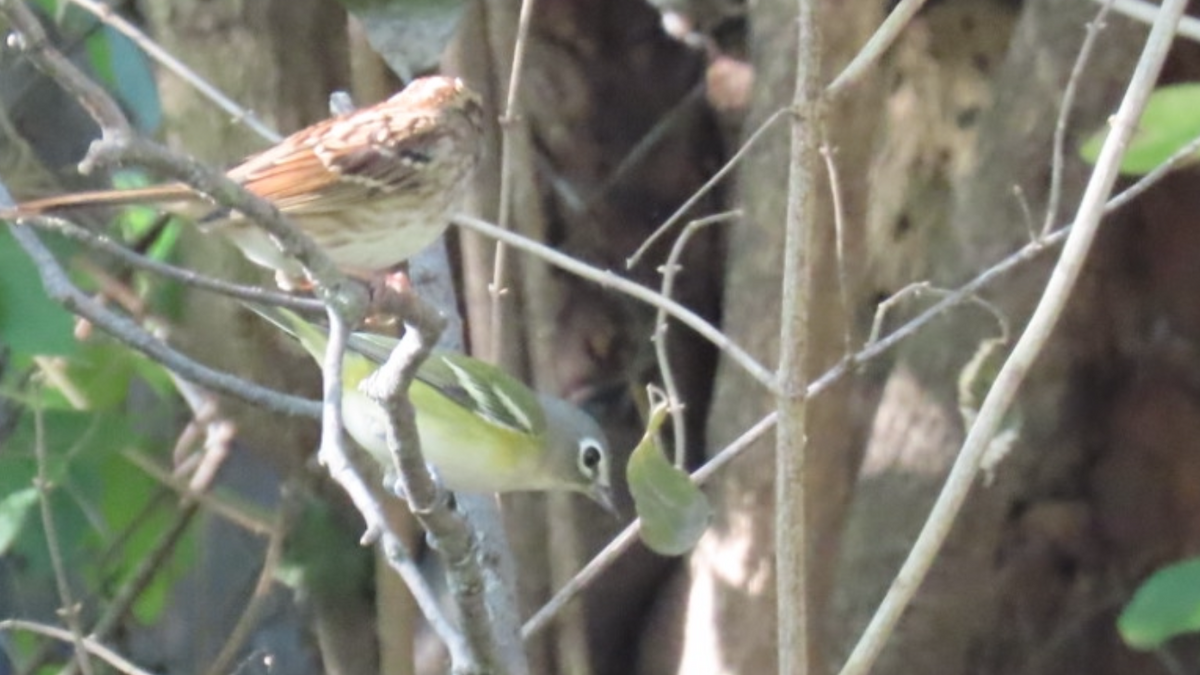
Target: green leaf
x=1166 y=605
x=14 y=507
x=674 y=512
x=1168 y=123
x=30 y=322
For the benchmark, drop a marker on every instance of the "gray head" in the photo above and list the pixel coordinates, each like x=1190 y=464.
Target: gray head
x=579 y=454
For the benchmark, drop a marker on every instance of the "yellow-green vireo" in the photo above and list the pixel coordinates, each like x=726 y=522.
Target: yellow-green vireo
x=481 y=430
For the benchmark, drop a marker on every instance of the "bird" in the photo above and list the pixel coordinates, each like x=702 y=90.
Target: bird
x=371 y=187
x=481 y=429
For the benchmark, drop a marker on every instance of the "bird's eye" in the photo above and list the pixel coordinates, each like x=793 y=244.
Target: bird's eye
x=590 y=457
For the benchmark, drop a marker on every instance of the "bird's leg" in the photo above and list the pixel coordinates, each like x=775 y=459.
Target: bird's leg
x=390 y=295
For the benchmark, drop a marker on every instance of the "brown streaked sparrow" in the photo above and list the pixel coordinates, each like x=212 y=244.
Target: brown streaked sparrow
x=371 y=187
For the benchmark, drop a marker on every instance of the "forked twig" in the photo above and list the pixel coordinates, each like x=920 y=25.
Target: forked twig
x=508 y=122
x=93 y=645
x=670 y=271
x=1092 y=33
x=708 y=186
x=69 y=609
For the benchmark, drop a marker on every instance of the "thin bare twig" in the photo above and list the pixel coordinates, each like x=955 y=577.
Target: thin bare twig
x=184 y=276
x=508 y=122
x=1092 y=32
x=343 y=468
x=1026 y=212
x=332 y=450
x=711 y=183
x=368 y=498
x=670 y=271
x=839 y=231
x=994 y=273
x=608 y=279
x=917 y=289
x=93 y=645
x=150 y=565
x=1139 y=10
x=799 y=281
x=432 y=281
x=645 y=144
x=211 y=503
x=69 y=610
x=875 y=48
x=448 y=532
x=248 y=617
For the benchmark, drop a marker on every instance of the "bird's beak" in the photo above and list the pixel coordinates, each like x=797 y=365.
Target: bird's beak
x=603 y=495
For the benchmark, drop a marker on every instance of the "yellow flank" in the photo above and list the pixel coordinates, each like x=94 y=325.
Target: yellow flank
x=465 y=448
x=467 y=452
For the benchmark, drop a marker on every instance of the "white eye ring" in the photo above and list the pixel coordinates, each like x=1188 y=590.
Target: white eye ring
x=591 y=457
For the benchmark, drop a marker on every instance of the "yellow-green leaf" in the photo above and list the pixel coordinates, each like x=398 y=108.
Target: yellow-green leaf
x=674 y=512
x=1168 y=123
x=1166 y=605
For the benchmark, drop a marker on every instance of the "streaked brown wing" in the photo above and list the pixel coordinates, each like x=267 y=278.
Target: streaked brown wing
x=344 y=160
x=290 y=174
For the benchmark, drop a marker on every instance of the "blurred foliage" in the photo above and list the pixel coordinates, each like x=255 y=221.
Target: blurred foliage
x=30 y=323
x=108 y=514
x=86 y=404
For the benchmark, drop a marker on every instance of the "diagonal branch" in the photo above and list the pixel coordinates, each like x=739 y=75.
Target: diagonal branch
x=448 y=532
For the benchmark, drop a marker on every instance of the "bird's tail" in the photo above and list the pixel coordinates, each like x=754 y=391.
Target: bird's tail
x=364 y=352
x=175 y=196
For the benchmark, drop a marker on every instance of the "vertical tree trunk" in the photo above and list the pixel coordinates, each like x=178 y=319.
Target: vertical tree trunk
x=727 y=607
